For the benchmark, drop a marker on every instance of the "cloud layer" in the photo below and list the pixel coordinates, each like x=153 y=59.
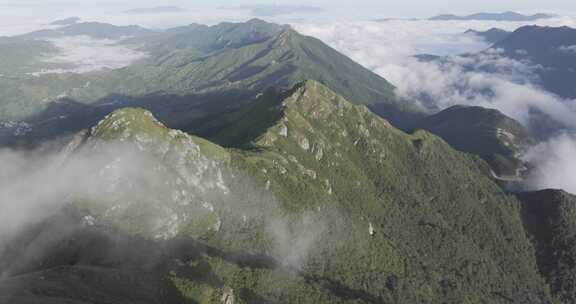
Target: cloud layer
x=388 y=48
x=555 y=165
x=88 y=54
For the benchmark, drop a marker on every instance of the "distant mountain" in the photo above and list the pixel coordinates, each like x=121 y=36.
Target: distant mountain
x=318 y=201
x=156 y=10
x=491 y=36
x=550 y=219
x=66 y=21
x=94 y=30
x=506 y=16
x=277 y=10
x=552 y=48
x=488 y=133
x=198 y=70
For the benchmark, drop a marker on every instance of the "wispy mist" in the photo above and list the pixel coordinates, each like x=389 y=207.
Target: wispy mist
x=554 y=164
x=148 y=189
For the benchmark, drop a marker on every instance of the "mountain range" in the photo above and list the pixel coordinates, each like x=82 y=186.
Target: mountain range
x=550 y=49
x=505 y=16
x=553 y=52
x=247 y=163
x=541 y=57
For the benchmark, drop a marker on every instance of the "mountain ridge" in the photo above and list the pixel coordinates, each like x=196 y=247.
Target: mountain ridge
x=548 y=47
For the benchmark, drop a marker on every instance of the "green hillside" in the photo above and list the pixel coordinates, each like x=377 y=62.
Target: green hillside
x=550 y=218
x=316 y=200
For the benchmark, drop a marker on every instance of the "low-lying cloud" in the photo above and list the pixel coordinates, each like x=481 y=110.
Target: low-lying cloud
x=388 y=48
x=87 y=54
x=35 y=185
x=170 y=188
x=485 y=79
x=554 y=164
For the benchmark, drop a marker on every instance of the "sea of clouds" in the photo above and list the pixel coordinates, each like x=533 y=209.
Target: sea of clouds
x=86 y=54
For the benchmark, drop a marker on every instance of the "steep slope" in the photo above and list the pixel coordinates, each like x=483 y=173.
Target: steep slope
x=321 y=201
x=498 y=139
x=550 y=219
x=552 y=49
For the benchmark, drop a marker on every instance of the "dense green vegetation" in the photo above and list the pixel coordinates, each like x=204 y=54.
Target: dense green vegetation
x=550 y=219
x=326 y=203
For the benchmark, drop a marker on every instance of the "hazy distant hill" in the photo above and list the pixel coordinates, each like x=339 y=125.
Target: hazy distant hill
x=506 y=16
x=491 y=36
x=552 y=48
x=66 y=21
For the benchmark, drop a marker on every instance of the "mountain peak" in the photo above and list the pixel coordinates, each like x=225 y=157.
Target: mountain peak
x=139 y=126
x=260 y=122
x=127 y=122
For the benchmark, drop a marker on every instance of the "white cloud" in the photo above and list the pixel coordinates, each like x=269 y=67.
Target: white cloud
x=87 y=54
x=555 y=165
x=388 y=48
